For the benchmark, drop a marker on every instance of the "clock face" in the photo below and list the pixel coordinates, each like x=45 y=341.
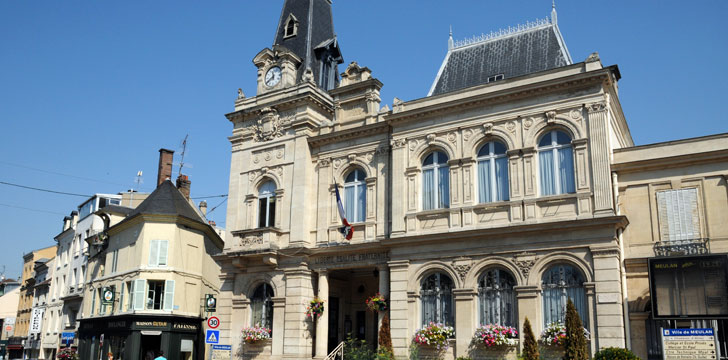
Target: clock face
x=273 y=76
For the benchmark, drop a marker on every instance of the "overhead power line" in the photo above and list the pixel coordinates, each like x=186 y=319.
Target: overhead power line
x=62 y=174
x=29 y=209
x=45 y=190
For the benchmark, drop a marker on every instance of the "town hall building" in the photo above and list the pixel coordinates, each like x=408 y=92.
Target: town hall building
x=491 y=200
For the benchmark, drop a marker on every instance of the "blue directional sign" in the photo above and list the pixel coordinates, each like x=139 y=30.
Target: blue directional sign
x=212 y=337
x=68 y=336
x=222 y=347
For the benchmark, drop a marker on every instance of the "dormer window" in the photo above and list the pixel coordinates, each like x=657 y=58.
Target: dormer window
x=495 y=78
x=291 y=27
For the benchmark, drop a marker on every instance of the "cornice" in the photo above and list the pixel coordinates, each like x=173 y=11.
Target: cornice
x=343 y=135
x=288 y=97
x=671 y=161
x=472 y=98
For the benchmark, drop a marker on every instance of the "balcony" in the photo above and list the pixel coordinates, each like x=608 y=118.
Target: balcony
x=682 y=247
x=256 y=240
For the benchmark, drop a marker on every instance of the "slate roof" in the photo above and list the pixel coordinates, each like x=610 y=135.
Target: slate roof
x=167 y=200
x=315 y=29
x=527 y=50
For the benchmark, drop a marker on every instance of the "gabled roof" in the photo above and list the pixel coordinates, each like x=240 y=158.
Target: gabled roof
x=167 y=200
x=533 y=47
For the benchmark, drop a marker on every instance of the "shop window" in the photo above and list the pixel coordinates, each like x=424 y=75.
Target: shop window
x=435 y=181
x=267 y=205
x=158 y=253
x=355 y=196
x=492 y=173
x=558 y=284
x=497 y=300
x=678 y=214
x=556 y=163
x=262 y=306
x=437 y=301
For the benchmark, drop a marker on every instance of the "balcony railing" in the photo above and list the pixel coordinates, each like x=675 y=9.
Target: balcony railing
x=682 y=247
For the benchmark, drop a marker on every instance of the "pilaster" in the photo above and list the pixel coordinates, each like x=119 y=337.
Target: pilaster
x=529 y=305
x=465 y=319
x=322 y=323
x=399 y=307
x=599 y=151
x=300 y=195
x=398 y=182
x=609 y=309
x=298 y=328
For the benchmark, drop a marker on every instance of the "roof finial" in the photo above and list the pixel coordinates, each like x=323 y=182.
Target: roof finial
x=553 y=12
x=450 y=42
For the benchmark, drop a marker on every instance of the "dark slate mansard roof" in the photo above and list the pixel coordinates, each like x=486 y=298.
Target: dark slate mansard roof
x=315 y=34
x=167 y=200
x=526 y=49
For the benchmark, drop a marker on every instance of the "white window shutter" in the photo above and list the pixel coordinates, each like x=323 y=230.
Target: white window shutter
x=140 y=286
x=168 y=295
x=162 y=253
x=154 y=253
x=678 y=214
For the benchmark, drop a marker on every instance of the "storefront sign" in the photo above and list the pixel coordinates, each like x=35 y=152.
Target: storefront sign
x=108 y=296
x=221 y=352
x=683 y=344
x=151 y=324
x=353 y=259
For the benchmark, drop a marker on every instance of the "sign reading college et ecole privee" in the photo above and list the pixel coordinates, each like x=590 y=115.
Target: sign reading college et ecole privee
x=683 y=344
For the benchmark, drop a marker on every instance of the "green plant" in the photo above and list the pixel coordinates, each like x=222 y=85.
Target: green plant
x=434 y=334
x=355 y=349
x=377 y=303
x=385 y=336
x=614 y=353
x=463 y=358
x=575 y=342
x=315 y=308
x=255 y=333
x=384 y=354
x=414 y=351
x=530 y=347
x=67 y=354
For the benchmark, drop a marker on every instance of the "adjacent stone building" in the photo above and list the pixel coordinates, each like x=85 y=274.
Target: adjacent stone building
x=488 y=201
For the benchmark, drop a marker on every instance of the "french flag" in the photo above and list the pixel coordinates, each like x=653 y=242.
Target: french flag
x=347 y=230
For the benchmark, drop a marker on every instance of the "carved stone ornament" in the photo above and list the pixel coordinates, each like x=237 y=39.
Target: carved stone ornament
x=597 y=106
x=241 y=94
x=488 y=128
x=398 y=143
x=337 y=163
x=528 y=123
x=525 y=261
x=467 y=134
x=575 y=114
x=397 y=105
x=384 y=109
x=593 y=57
x=307 y=75
x=550 y=116
x=252 y=240
x=511 y=126
x=462 y=266
x=412 y=145
x=430 y=138
x=382 y=150
x=324 y=162
x=451 y=137
x=268 y=125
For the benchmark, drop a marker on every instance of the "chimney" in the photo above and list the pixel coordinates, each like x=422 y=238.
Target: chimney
x=203 y=208
x=74 y=218
x=165 y=165
x=66 y=222
x=183 y=185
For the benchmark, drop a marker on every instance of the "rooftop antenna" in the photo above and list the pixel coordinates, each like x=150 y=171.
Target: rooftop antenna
x=182 y=157
x=138 y=181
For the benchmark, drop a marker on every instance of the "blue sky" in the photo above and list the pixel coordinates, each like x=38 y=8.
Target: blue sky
x=90 y=90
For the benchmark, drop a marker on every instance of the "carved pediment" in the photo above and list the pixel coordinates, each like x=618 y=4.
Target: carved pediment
x=269 y=125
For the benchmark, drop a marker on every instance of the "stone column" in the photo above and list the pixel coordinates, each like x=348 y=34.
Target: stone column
x=279 y=308
x=529 y=305
x=399 y=153
x=383 y=289
x=322 y=323
x=398 y=307
x=599 y=152
x=465 y=319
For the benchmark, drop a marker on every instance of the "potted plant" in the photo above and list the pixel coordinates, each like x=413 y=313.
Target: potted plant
x=553 y=337
x=67 y=354
x=315 y=308
x=433 y=339
x=496 y=335
x=377 y=303
x=254 y=334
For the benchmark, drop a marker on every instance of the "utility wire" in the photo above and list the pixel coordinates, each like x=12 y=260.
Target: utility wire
x=216 y=206
x=45 y=190
x=62 y=174
x=29 y=209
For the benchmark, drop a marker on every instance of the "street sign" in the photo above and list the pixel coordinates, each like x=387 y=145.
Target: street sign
x=221 y=352
x=210 y=303
x=212 y=337
x=213 y=322
x=67 y=337
x=688 y=344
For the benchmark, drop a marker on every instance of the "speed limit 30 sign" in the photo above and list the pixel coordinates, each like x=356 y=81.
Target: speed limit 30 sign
x=213 y=322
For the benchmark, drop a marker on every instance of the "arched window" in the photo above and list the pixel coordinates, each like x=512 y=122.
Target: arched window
x=262 y=305
x=492 y=173
x=291 y=26
x=556 y=163
x=436 y=295
x=355 y=196
x=559 y=283
x=435 y=181
x=497 y=298
x=267 y=205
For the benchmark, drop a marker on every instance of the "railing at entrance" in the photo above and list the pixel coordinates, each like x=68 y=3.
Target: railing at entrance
x=337 y=353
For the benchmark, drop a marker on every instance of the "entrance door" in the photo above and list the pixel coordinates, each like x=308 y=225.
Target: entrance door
x=333 y=323
x=150 y=345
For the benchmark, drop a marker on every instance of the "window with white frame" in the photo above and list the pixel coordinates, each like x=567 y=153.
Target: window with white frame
x=159 y=295
x=158 y=253
x=435 y=181
x=678 y=212
x=267 y=205
x=492 y=173
x=437 y=301
x=355 y=196
x=497 y=300
x=114 y=260
x=262 y=305
x=556 y=163
x=558 y=284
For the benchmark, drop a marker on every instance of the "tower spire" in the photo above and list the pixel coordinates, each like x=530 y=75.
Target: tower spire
x=450 y=42
x=553 y=12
